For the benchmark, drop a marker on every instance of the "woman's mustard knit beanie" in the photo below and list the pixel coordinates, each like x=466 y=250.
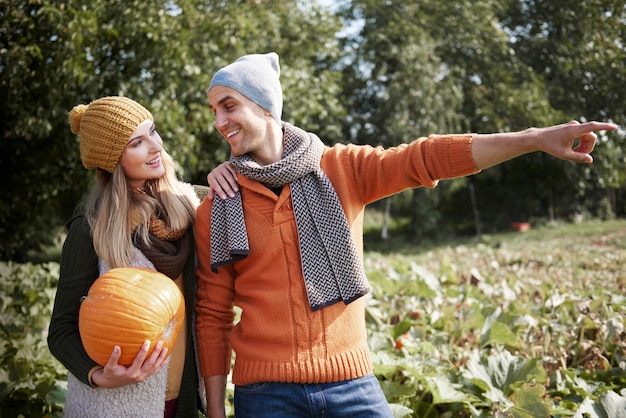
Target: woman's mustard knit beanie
x=104 y=128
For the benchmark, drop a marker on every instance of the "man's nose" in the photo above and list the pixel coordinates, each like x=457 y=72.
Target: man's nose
x=220 y=120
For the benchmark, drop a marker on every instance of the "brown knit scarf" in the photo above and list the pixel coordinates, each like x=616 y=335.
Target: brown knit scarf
x=168 y=249
x=332 y=268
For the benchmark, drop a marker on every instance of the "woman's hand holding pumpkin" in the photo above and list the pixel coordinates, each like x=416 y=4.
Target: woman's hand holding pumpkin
x=114 y=375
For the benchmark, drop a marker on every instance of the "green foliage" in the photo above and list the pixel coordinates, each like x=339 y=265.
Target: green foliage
x=32 y=381
x=389 y=72
x=518 y=325
x=33 y=92
x=417 y=68
x=57 y=54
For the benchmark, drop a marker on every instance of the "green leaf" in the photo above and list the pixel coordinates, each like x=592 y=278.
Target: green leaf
x=591 y=408
x=530 y=402
x=57 y=394
x=613 y=404
x=400 y=411
x=444 y=391
x=501 y=334
x=608 y=405
x=501 y=372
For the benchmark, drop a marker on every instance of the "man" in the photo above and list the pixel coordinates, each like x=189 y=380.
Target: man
x=286 y=247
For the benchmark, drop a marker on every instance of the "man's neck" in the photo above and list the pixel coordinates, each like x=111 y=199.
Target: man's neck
x=273 y=151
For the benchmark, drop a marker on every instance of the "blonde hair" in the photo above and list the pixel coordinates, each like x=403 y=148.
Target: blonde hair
x=113 y=209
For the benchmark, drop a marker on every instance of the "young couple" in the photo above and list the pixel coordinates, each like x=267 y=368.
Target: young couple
x=280 y=237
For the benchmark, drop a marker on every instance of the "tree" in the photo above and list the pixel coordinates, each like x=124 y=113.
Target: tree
x=412 y=68
x=579 y=48
x=55 y=54
x=439 y=67
x=38 y=158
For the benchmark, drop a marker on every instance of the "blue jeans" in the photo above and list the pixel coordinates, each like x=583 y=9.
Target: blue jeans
x=360 y=397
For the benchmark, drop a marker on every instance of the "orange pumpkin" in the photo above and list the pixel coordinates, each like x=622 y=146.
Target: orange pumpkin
x=127 y=306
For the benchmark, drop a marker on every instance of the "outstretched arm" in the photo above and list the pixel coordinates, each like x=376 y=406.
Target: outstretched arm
x=492 y=149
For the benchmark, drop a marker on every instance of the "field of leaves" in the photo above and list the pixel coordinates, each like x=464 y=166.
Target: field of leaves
x=520 y=325
x=514 y=325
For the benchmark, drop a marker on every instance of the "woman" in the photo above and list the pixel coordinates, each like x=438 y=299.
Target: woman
x=138 y=214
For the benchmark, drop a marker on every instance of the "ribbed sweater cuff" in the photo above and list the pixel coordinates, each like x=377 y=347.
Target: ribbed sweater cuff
x=457 y=148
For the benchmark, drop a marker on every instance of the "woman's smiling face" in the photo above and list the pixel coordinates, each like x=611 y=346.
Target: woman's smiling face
x=141 y=159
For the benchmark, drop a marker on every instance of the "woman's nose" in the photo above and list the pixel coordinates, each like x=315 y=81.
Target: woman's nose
x=156 y=144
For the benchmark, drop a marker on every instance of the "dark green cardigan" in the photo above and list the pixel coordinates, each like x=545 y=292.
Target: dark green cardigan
x=79 y=269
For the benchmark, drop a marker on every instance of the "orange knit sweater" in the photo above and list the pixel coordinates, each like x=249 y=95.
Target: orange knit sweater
x=278 y=338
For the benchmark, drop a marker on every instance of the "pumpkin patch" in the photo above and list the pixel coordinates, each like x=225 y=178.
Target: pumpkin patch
x=127 y=306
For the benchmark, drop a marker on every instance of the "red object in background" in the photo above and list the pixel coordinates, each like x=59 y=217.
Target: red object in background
x=520 y=226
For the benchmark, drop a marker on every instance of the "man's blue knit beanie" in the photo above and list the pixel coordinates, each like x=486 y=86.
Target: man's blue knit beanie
x=255 y=76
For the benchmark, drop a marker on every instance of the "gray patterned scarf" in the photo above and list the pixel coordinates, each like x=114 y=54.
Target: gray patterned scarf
x=332 y=268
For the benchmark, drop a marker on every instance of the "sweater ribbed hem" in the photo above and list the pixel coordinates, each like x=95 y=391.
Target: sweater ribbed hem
x=343 y=366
